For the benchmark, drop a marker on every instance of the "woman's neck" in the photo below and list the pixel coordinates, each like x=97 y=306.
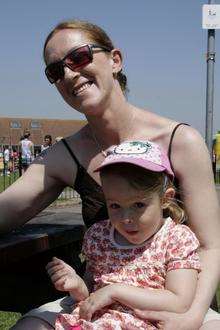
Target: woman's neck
x=114 y=125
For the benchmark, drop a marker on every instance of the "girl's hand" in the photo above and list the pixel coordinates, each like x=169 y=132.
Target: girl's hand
x=95 y=301
x=62 y=275
x=172 y=321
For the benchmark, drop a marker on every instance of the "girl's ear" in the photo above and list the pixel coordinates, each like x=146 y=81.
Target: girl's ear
x=169 y=194
x=116 y=60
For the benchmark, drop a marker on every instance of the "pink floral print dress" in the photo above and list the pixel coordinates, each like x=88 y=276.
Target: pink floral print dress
x=172 y=247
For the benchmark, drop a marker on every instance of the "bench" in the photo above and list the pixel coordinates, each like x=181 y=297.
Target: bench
x=24 y=253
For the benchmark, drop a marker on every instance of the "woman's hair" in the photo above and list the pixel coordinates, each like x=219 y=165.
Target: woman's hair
x=95 y=33
x=149 y=182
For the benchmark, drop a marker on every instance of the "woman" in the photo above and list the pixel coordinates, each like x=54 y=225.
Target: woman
x=87 y=71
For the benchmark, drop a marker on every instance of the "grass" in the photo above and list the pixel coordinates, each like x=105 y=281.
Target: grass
x=8 y=319
x=6 y=181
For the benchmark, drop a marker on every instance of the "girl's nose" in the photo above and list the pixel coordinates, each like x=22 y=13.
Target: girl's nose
x=127 y=217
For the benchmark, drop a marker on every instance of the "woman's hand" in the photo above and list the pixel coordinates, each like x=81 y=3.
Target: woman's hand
x=62 y=275
x=95 y=301
x=172 y=321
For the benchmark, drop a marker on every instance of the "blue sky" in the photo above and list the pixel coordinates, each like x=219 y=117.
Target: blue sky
x=164 y=49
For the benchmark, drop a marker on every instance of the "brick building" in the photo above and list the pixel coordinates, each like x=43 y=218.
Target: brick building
x=11 y=129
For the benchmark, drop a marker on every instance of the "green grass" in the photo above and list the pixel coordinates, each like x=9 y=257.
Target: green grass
x=8 y=319
x=6 y=181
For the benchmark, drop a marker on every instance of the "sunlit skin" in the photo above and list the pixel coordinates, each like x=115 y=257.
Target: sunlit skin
x=98 y=74
x=136 y=215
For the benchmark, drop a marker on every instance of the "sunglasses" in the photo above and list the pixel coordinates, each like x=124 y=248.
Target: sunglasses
x=75 y=59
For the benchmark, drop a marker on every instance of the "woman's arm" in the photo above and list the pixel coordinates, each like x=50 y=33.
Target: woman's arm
x=36 y=188
x=192 y=165
x=193 y=168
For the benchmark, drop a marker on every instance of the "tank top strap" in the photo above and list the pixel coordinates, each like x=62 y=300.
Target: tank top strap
x=71 y=153
x=171 y=141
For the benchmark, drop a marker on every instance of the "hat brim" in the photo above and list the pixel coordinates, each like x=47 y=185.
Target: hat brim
x=139 y=162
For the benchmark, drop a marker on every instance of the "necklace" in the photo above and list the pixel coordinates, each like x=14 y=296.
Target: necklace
x=103 y=152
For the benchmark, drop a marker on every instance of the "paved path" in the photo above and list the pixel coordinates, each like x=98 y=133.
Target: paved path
x=60 y=215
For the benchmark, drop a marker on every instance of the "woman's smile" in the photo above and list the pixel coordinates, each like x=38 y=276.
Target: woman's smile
x=80 y=88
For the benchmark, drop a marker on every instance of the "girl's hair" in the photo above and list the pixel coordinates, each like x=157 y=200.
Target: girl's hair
x=150 y=182
x=95 y=33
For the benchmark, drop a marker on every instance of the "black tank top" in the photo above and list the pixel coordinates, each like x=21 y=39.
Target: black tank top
x=93 y=201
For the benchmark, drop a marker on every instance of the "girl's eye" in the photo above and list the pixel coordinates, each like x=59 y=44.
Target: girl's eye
x=139 y=205
x=114 y=206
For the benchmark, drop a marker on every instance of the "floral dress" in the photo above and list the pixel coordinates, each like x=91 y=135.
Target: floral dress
x=172 y=247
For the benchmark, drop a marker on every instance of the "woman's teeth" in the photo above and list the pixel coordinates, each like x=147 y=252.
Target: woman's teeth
x=81 y=88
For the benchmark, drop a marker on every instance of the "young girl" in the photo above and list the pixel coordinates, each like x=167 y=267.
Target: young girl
x=139 y=258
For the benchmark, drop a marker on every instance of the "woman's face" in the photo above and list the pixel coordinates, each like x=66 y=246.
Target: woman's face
x=88 y=88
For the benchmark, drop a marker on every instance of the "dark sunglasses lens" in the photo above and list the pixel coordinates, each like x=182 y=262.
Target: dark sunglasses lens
x=54 y=72
x=79 y=57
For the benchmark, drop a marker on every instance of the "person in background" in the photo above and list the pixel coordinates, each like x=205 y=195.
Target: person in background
x=6 y=159
x=26 y=147
x=47 y=142
x=143 y=229
x=87 y=70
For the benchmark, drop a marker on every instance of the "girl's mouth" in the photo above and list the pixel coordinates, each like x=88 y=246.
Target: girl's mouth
x=132 y=232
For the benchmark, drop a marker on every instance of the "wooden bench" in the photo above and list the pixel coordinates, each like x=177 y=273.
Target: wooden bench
x=24 y=253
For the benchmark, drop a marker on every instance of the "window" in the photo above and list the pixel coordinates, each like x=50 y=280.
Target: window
x=35 y=124
x=15 y=124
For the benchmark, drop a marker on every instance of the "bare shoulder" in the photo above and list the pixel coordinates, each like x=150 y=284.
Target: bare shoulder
x=189 y=152
x=58 y=161
x=187 y=138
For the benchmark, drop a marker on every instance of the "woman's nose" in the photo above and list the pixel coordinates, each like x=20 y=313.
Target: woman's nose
x=69 y=73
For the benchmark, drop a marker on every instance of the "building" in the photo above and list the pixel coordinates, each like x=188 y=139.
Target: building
x=11 y=129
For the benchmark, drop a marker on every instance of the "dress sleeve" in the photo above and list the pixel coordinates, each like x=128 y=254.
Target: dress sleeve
x=182 y=249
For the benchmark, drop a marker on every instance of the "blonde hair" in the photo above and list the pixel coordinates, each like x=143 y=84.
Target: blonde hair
x=95 y=33
x=150 y=182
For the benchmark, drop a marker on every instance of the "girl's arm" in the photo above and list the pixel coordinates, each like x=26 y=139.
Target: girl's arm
x=176 y=297
x=65 y=279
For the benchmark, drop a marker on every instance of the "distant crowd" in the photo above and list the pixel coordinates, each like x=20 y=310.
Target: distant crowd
x=13 y=159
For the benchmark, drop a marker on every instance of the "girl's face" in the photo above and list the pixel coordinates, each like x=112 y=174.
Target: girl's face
x=87 y=88
x=135 y=215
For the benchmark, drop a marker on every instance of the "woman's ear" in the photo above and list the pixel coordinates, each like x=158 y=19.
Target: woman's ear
x=116 y=60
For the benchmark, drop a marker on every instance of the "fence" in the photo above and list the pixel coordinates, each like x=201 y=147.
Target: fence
x=11 y=171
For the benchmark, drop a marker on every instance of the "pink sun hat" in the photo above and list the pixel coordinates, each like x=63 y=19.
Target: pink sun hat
x=145 y=154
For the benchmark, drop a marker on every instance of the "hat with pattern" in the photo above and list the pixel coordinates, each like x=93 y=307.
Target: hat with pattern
x=145 y=154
